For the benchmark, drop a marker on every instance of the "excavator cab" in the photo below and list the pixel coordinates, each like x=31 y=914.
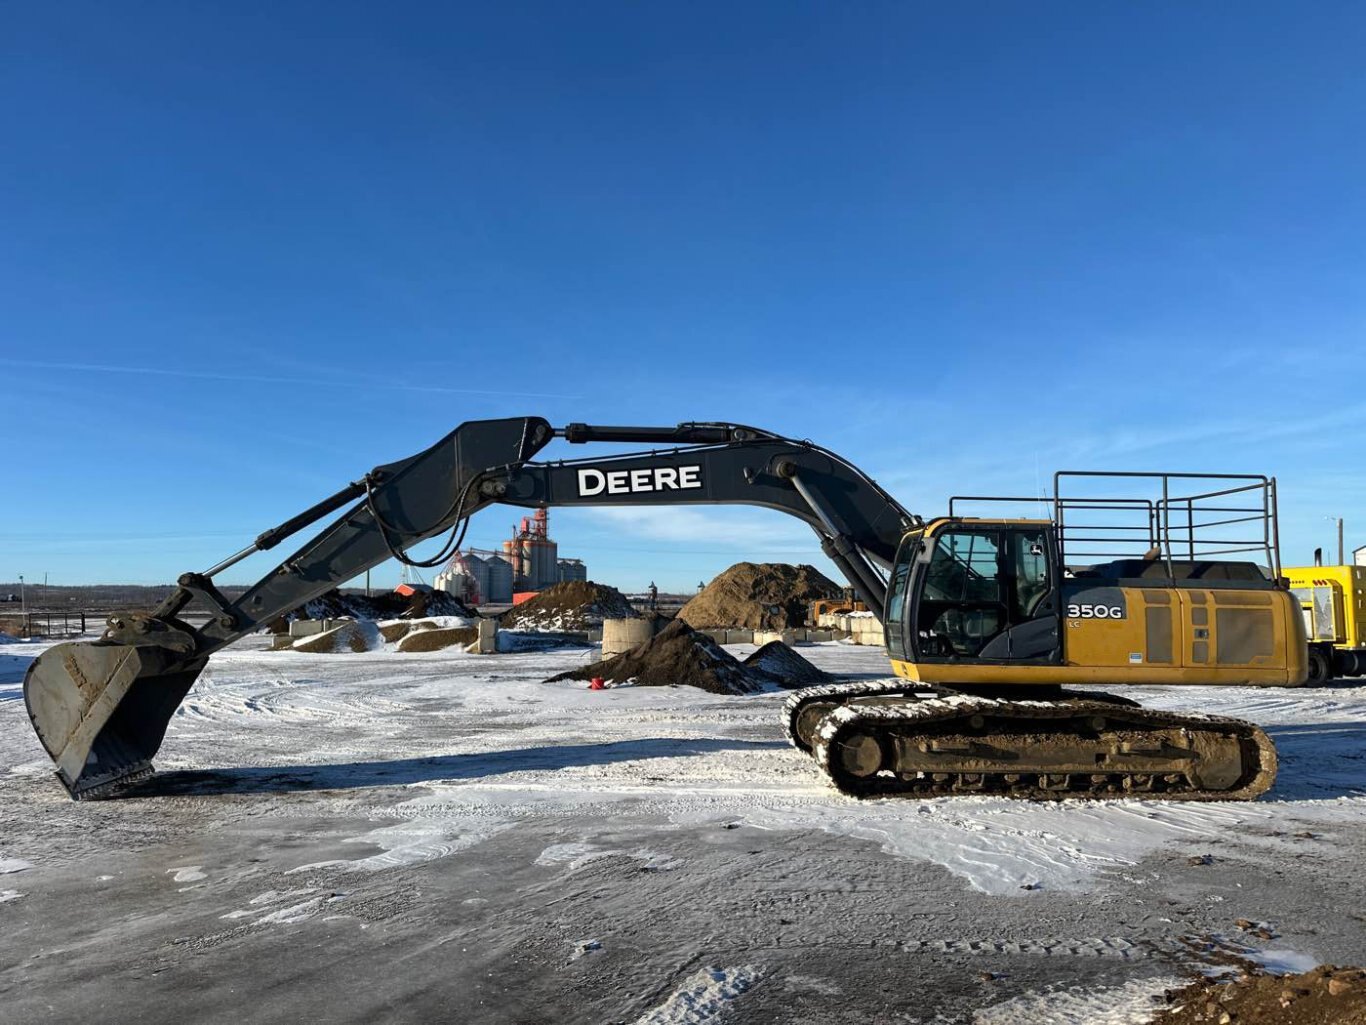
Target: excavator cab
x=1109 y=589
x=984 y=591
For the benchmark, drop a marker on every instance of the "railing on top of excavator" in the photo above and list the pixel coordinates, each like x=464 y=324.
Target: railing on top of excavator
x=1235 y=516
x=1101 y=515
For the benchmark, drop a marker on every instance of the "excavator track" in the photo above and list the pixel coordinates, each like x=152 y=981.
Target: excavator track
x=1041 y=750
x=804 y=709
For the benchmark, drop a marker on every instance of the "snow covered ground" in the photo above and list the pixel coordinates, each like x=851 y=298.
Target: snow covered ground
x=453 y=839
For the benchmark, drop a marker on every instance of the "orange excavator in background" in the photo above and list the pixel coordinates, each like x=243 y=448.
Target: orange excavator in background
x=842 y=605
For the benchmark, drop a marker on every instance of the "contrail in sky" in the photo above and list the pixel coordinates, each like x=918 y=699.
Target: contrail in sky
x=206 y=375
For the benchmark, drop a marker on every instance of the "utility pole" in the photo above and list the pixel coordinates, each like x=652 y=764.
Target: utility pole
x=1342 y=552
x=23 y=603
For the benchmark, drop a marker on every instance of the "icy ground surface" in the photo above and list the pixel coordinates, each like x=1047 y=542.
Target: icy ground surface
x=441 y=836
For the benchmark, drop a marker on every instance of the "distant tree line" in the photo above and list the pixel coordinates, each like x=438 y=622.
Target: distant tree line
x=94 y=596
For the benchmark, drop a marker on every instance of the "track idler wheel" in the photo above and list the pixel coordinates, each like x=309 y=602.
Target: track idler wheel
x=860 y=754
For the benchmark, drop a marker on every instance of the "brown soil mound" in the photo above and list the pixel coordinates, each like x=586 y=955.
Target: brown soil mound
x=437 y=639
x=392 y=632
x=783 y=665
x=758 y=596
x=1327 y=995
x=677 y=655
x=354 y=635
x=569 y=606
x=680 y=656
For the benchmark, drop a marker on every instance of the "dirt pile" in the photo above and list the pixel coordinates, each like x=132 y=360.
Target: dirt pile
x=758 y=596
x=677 y=655
x=573 y=605
x=784 y=666
x=680 y=656
x=354 y=635
x=389 y=605
x=393 y=629
x=1327 y=995
x=426 y=604
x=437 y=638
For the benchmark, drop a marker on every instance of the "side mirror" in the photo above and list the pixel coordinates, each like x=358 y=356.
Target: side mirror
x=926 y=552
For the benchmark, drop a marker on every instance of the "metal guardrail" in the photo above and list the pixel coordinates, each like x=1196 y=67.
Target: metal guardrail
x=1229 y=514
x=30 y=625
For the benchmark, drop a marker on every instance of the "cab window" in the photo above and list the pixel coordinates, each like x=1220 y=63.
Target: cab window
x=965 y=567
x=1031 y=574
x=896 y=589
x=901 y=571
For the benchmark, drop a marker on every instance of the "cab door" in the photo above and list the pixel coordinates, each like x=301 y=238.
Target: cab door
x=982 y=593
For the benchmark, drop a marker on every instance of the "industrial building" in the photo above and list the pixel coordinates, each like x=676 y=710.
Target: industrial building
x=477 y=577
x=571 y=569
x=529 y=561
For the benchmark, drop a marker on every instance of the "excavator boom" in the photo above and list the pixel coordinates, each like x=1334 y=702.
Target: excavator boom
x=101 y=708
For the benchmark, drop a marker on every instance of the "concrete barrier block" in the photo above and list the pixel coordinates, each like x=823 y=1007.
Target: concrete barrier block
x=486 y=641
x=867 y=631
x=621 y=635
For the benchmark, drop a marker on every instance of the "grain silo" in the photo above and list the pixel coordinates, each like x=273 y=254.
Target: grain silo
x=571 y=569
x=532 y=555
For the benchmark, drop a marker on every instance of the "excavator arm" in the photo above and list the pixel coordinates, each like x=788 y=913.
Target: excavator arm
x=101 y=708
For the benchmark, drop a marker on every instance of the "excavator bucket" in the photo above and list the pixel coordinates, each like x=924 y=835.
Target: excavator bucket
x=102 y=709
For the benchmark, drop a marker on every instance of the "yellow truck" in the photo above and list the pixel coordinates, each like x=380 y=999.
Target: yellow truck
x=1333 y=599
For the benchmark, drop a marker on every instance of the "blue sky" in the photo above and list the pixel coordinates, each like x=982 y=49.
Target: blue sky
x=248 y=252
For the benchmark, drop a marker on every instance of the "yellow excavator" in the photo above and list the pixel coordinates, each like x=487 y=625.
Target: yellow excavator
x=989 y=620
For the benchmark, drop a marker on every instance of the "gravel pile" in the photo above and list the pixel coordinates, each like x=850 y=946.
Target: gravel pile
x=1326 y=995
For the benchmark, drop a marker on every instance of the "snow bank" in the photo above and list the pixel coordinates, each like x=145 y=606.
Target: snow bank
x=1134 y=1003
x=704 y=996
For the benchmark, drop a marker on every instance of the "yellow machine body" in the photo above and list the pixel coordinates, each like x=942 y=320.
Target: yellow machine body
x=1156 y=630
